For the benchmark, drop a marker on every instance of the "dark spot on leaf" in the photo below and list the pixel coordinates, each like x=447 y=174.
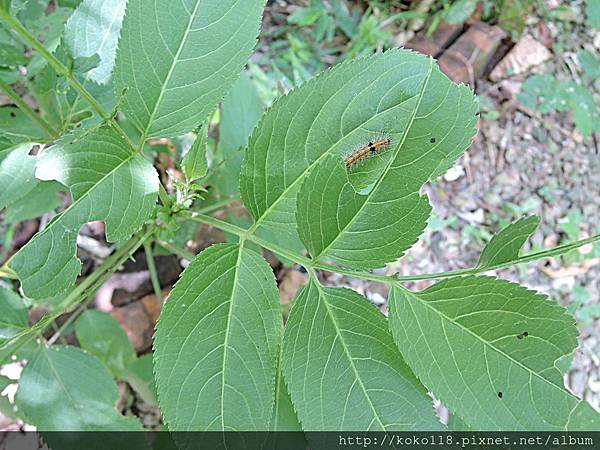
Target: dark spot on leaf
x=13 y=114
x=499 y=394
x=432 y=140
x=522 y=335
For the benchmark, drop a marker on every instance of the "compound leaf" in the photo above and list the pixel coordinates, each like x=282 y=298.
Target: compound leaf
x=343 y=370
x=505 y=245
x=491 y=351
x=63 y=388
x=108 y=182
x=93 y=29
x=217 y=343
x=399 y=95
x=177 y=59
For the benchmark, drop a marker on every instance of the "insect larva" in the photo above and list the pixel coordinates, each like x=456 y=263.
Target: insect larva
x=368 y=150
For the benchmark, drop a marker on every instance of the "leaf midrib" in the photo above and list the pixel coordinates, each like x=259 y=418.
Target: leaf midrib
x=70 y=399
x=487 y=344
x=170 y=72
x=228 y=330
x=387 y=169
x=301 y=177
x=322 y=295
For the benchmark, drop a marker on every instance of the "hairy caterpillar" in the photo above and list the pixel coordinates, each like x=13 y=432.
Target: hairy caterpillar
x=372 y=148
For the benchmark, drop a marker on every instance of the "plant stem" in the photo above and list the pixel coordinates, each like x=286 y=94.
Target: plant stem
x=82 y=292
x=309 y=264
x=164 y=195
x=108 y=265
x=533 y=256
x=18 y=101
x=181 y=252
x=246 y=235
x=7 y=272
x=217 y=205
x=299 y=259
x=82 y=307
x=60 y=68
x=153 y=272
x=7 y=244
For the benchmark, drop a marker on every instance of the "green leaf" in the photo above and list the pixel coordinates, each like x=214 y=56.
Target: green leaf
x=284 y=416
x=589 y=63
x=178 y=59
x=101 y=334
x=343 y=370
x=455 y=423
x=460 y=11
x=140 y=376
x=108 y=182
x=544 y=92
x=506 y=245
x=6 y=407
x=332 y=224
x=17 y=175
x=62 y=388
x=194 y=162
x=42 y=199
x=592 y=11
x=93 y=29
x=284 y=419
x=240 y=113
x=21 y=194
x=308 y=15
x=11 y=56
x=13 y=314
x=398 y=94
x=490 y=350
x=217 y=343
x=585 y=111
x=48 y=28
x=16 y=127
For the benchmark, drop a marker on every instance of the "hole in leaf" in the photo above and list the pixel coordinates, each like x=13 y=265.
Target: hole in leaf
x=432 y=140
x=13 y=114
x=34 y=150
x=499 y=394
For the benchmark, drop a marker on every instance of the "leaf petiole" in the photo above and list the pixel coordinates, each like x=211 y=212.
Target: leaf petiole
x=309 y=264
